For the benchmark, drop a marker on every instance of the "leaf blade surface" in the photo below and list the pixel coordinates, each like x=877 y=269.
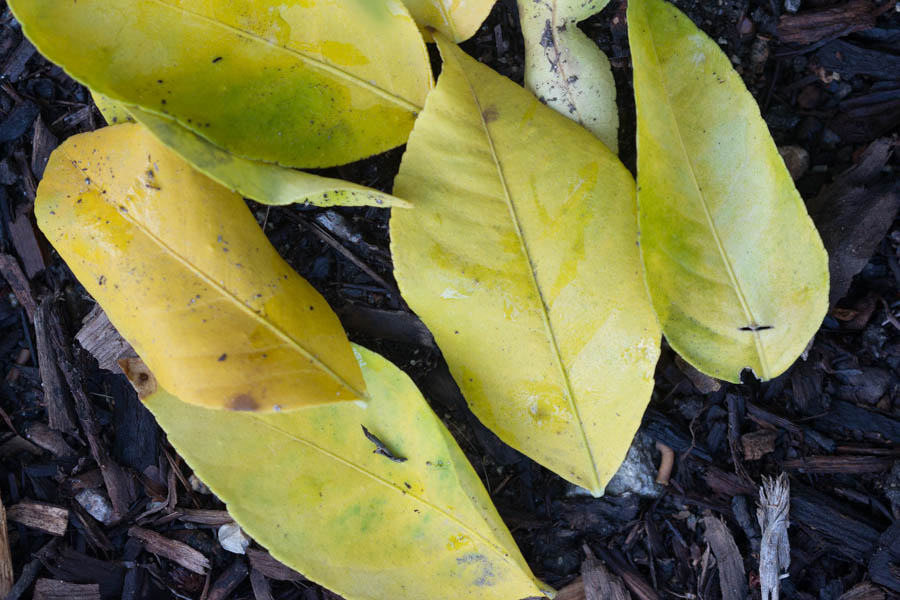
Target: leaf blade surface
x=299 y=83
x=456 y=19
x=234 y=325
x=526 y=271
x=355 y=521
x=735 y=268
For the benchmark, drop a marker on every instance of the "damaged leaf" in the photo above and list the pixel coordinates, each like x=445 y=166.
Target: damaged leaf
x=527 y=272
x=735 y=268
x=296 y=82
x=352 y=520
x=264 y=182
x=565 y=69
x=456 y=19
x=186 y=275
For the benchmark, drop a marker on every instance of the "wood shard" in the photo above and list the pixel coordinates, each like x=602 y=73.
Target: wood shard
x=204 y=516
x=38 y=515
x=758 y=443
x=273 y=569
x=12 y=272
x=599 y=583
x=25 y=241
x=6 y=569
x=732 y=579
x=102 y=340
x=840 y=464
x=56 y=399
x=176 y=551
x=775 y=549
x=810 y=26
x=228 y=581
x=54 y=589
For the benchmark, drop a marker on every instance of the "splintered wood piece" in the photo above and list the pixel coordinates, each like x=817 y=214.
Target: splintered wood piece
x=59 y=410
x=261 y=588
x=54 y=589
x=732 y=579
x=599 y=583
x=25 y=240
x=810 y=26
x=758 y=443
x=6 y=569
x=204 y=516
x=50 y=440
x=864 y=591
x=228 y=581
x=42 y=145
x=840 y=464
x=12 y=272
x=38 y=515
x=102 y=341
x=774 y=549
x=176 y=551
x=703 y=382
x=263 y=562
x=573 y=591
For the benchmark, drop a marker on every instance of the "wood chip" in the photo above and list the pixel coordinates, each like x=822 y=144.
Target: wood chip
x=863 y=591
x=775 y=549
x=703 y=382
x=42 y=145
x=599 y=583
x=15 y=277
x=883 y=566
x=25 y=240
x=732 y=579
x=48 y=518
x=15 y=64
x=261 y=588
x=228 y=581
x=50 y=440
x=178 y=552
x=102 y=341
x=56 y=400
x=573 y=591
x=6 y=569
x=263 y=562
x=204 y=516
x=758 y=443
x=54 y=589
x=810 y=26
x=840 y=464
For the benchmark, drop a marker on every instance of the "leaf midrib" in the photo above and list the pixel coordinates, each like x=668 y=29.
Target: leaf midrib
x=310 y=60
x=504 y=556
x=545 y=317
x=736 y=286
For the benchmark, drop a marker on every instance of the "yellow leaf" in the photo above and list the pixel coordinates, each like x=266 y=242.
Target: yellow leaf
x=302 y=83
x=520 y=255
x=565 y=69
x=264 y=182
x=357 y=522
x=187 y=276
x=456 y=19
x=736 y=271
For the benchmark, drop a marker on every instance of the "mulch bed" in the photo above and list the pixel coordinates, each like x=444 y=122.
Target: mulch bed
x=75 y=441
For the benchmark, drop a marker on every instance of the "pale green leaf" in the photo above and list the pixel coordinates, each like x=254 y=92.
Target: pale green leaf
x=456 y=19
x=187 y=276
x=736 y=271
x=520 y=256
x=308 y=486
x=301 y=83
x=565 y=69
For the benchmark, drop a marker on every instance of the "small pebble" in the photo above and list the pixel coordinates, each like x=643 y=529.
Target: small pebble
x=233 y=539
x=96 y=504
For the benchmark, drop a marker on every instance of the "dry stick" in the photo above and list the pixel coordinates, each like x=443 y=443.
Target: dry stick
x=775 y=549
x=6 y=568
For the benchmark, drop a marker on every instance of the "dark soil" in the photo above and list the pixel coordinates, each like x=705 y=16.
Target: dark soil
x=832 y=422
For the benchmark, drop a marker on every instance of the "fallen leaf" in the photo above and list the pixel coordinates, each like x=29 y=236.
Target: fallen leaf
x=735 y=268
x=356 y=522
x=294 y=82
x=266 y=183
x=456 y=19
x=186 y=275
x=565 y=69
x=526 y=270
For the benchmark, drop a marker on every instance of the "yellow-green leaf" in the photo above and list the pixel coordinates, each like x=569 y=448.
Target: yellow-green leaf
x=187 y=276
x=302 y=83
x=520 y=255
x=736 y=271
x=264 y=182
x=565 y=69
x=308 y=486
x=456 y=19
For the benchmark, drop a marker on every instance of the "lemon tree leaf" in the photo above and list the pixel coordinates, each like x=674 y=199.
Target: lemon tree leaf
x=736 y=271
x=456 y=19
x=526 y=270
x=353 y=520
x=187 y=276
x=295 y=82
x=565 y=69
x=266 y=183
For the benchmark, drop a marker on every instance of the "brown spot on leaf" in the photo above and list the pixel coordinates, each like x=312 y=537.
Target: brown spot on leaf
x=142 y=380
x=243 y=402
x=490 y=114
